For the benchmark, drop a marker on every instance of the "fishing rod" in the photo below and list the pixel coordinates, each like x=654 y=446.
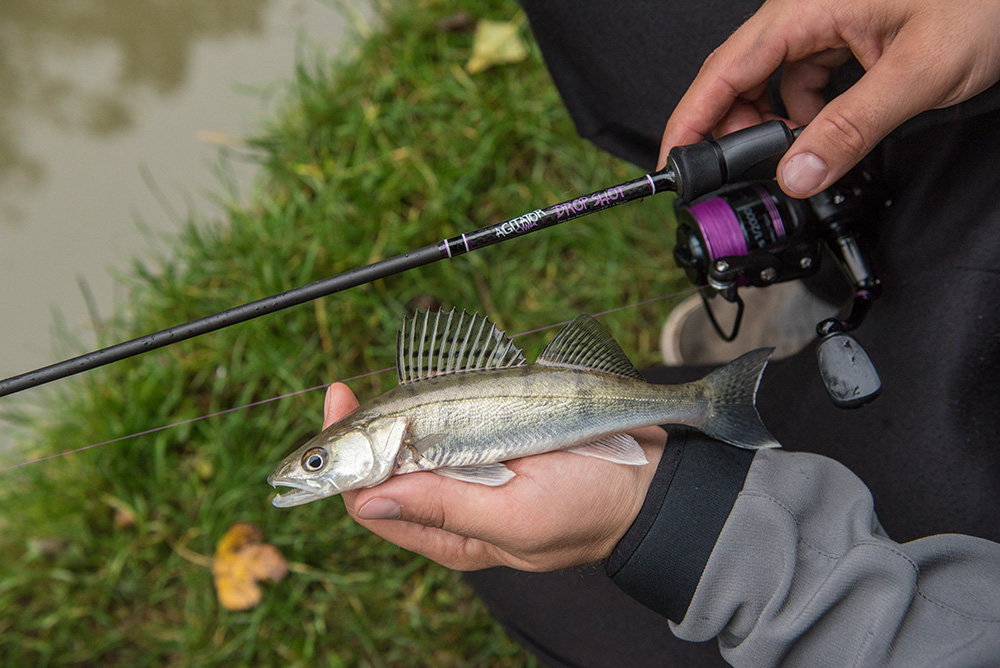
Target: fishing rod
x=691 y=171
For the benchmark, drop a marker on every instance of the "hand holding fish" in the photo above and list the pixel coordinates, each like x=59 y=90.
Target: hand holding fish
x=559 y=510
x=561 y=452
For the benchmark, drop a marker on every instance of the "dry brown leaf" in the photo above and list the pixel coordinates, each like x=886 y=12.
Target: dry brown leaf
x=124 y=514
x=241 y=560
x=496 y=43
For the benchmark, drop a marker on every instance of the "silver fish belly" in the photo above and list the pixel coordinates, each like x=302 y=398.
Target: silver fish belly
x=467 y=401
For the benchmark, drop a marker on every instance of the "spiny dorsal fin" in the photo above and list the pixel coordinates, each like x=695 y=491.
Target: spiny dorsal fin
x=434 y=343
x=585 y=344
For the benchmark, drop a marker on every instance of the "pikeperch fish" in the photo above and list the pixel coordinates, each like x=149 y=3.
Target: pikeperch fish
x=467 y=401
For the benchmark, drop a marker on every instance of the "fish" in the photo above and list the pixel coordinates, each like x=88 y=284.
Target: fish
x=467 y=401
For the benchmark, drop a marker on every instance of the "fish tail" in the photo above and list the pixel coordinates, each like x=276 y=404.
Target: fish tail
x=732 y=391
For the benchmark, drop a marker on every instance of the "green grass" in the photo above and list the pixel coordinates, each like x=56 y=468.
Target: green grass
x=393 y=148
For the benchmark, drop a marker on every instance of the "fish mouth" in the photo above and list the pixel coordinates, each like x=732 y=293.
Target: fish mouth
x=300 y=491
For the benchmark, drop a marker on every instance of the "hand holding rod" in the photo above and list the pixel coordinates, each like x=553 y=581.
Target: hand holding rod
x=691 y=171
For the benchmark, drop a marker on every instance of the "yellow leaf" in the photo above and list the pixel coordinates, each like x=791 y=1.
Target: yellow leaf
x=241 y=560
x=496 y=43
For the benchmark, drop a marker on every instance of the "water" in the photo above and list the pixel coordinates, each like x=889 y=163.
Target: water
x=102 y=98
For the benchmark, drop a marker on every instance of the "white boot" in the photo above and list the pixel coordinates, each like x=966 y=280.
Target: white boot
x=783 y=316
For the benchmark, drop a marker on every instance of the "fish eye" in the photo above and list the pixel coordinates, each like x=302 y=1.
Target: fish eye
x=314 y=460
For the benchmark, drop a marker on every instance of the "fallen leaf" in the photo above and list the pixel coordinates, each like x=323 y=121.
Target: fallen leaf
x=496 y=43
x=124 y=514
x=241 y=560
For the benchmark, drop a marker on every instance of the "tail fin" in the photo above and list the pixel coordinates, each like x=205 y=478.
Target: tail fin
x=732 y=391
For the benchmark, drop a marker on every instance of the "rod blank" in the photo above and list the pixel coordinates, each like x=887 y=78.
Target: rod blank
x=508 y=229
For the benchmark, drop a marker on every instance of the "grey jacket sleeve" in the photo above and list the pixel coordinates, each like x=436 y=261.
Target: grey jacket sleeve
x=801 y=574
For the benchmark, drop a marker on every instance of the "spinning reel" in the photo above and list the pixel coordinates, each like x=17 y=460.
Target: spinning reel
x=752 y=234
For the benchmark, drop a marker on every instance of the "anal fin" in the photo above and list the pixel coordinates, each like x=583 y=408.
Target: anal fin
x=492 y=475
x=619 y=448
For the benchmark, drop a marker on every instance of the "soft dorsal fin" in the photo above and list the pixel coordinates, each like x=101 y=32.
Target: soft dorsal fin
x=586 y=344
x=433 y=343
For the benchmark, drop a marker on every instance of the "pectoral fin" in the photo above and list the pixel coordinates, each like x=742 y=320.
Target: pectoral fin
x=492 y=475
x=426 y=443
x=620 y=449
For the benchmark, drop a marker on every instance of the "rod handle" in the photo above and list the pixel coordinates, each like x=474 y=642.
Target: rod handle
x=750 y=153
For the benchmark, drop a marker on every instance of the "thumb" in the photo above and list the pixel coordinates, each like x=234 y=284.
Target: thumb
x=419 y=512
x=420 y=498
x=830 y=145
x=851 y=125
x=339 y=402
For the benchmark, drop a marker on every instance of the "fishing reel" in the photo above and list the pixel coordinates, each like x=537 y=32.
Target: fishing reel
x=752 y=234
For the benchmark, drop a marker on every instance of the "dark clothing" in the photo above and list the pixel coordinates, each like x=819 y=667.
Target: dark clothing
x=621 y=67
x=928 y=449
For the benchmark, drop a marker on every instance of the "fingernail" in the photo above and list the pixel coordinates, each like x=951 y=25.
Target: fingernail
x=803 y=173
x=380 y=509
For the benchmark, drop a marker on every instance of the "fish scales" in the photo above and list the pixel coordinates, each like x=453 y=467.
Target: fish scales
x=491 y=416
x=461 y=410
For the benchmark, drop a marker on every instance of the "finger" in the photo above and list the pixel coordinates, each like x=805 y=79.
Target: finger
x=850 y=126
x=706 y=107
x=744 y=114
x=803 y=84
x=483 y=528
x=339 y=402
x=499 y=516
x=448 y=549
x=421 y=528
x=739 y=69
x=430 y=500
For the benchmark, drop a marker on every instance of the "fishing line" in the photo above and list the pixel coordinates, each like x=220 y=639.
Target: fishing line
x=312 y=389
x=189 y=421
x=612 y=310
